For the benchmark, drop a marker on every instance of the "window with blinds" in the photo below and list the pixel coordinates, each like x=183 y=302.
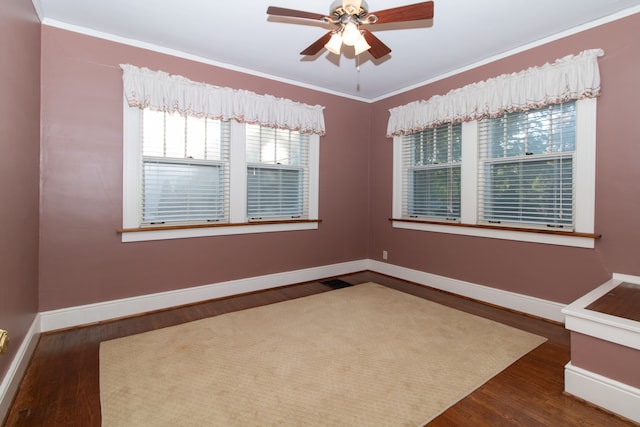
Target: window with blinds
x=277 y=174
x=431 y=173
x=185 y=170
x=526 y=168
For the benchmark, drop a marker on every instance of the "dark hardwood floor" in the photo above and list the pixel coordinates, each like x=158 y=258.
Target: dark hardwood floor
x=61 y=387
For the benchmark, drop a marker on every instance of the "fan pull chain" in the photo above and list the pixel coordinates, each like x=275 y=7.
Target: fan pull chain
x=358 y=72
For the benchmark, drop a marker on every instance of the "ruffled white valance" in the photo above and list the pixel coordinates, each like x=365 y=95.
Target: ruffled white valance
x=158 y=90
x=571 y=77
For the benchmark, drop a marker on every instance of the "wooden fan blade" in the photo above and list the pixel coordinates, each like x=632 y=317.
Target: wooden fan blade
x=378 y=49
x=280 y=11
x=412 y=12
x=317 y=45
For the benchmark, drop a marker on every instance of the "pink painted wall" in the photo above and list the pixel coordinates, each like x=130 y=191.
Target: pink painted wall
x=82 y=259
x=554 y=273
x=19 y=171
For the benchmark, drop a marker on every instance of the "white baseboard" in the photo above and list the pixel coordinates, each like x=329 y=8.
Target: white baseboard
x=13 y=377
x=604 y=392
x=80 y=315
x=522 y=303
x=91 y=313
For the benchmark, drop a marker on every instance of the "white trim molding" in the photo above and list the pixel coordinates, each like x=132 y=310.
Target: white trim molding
x=600 y=325
x=523 y=303
x=605 y=392
x=17 y=368
x=609 y=394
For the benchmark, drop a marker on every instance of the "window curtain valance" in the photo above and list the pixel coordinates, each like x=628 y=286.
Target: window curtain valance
x=160 y=91
x=571 y=77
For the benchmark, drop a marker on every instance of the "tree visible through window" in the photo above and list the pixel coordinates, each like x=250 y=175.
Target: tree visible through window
x=527 y=167
x=432 y=160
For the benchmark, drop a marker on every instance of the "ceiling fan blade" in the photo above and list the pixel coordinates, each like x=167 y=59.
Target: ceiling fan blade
x=280 y=11
x=378 y=49
x=412 y=12
x=316 y=46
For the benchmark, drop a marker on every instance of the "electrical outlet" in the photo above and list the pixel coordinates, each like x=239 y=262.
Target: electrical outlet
x=385 y=255
x=4 y=340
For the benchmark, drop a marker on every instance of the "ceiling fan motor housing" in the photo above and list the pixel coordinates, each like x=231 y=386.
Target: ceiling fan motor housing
x=345 y=7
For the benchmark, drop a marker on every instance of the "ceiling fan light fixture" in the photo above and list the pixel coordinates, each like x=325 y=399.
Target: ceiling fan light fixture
x=350 y=34
x=334 y=44
x=347 y=16
x=361 y=45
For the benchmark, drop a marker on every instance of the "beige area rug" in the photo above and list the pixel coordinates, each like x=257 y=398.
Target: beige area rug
x=365 y=355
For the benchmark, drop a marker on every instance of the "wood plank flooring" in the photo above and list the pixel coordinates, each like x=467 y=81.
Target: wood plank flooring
x=61 y=386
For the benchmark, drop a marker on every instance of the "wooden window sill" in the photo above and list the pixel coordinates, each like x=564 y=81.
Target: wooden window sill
x=213 y=225
x=502 y=228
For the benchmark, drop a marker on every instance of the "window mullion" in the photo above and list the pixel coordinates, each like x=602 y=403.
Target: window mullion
x=469 y=173
x=237 y=174
x=164 y=133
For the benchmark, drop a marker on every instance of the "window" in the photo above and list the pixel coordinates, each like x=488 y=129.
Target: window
x=277 y=173
x=185 y=169
x=526 y=173
x=194 y=173
x=521 y=171
x=431 y=173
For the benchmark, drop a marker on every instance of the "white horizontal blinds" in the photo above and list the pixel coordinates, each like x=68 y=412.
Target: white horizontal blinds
x=185 y=173
x=431 y=173
x=526 y=168
x=277 y=173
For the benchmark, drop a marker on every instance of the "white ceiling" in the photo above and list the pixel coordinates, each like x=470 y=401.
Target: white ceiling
x=239 y=35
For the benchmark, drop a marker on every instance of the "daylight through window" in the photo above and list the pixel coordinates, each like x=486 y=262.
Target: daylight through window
x=185 y=169
x=526 y=168
x=431 y=175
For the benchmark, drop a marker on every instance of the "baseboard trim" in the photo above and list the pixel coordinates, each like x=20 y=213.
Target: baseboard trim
x=91 y=313
x=523 y=303
x=13 y=377
x=604 y=392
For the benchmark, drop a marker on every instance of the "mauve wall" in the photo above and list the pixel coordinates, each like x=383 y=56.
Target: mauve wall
x=553 y=273
x=82 y=259
x=606 y=358
x=19 y=171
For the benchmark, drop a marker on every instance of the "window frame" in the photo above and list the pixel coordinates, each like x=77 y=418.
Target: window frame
x=469 y=225
x=132 y=181
x=261 y=145
x=453 y=134
x=503 y=145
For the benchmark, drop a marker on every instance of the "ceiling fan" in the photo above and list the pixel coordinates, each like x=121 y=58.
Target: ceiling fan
x=348 y=16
